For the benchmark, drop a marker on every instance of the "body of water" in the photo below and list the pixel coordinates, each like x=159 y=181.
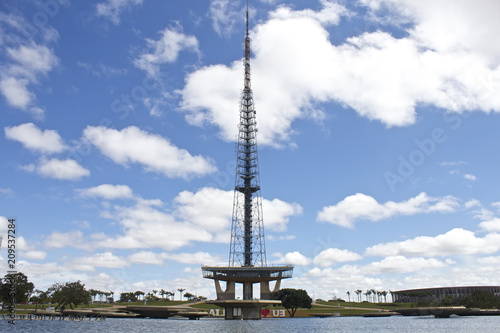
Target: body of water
x=339 y=325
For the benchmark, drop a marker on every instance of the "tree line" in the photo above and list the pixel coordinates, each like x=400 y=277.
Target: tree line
x=371 y=295
x=69 y=294
x=165 y=295
x=72 y=294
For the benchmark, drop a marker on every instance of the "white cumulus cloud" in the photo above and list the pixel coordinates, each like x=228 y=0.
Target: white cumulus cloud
x=146 y=225
x=200 y=258
x=364 y=207
x=107 y=191
x=492 y=225
x=209 y=208
x=331 y=13
x=28 y=63
x=4 y=222
x=201 y=216
x=277 y=213
x=66 y=239
x=465 y=27
x=294 y=258
x=401 y=264
x=470 y=177
x=105 y=259
x=31 y=137
x=457 y=241
x=491 y=261
x=30 y=60
x=147 y=257
x=61 y=169
x=34 y=255
x=296 y=67
x=165 y=50
x=154 y=152
x=332 y=256
x=15 y=90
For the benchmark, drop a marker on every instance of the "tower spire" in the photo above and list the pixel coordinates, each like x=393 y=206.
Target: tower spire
x=247 y=54
x=247 y=232
x=247 y=19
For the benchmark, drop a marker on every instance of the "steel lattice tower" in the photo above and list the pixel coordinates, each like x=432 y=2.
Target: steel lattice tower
x=247 y=252
x=247 y=247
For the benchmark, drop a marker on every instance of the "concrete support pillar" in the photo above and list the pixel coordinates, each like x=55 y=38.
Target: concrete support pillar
x=265 y=292
x=247 y=290
x=277 y=286
x=229 y=293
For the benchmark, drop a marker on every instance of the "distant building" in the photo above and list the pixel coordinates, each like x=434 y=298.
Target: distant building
x=416 y=295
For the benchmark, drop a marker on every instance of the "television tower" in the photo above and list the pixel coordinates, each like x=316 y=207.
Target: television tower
x=247 y=232
x=247 y=252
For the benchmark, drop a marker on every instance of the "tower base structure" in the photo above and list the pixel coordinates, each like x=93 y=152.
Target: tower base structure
x=243 y=309
x=248 y=307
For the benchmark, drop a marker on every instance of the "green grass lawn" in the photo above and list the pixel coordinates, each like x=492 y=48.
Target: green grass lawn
x=81 y=306
x=103 y=305
x=156 y=303
x=204 y=306
x=386 y=306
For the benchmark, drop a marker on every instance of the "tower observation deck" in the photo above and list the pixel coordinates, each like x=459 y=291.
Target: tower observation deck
x=247 y=254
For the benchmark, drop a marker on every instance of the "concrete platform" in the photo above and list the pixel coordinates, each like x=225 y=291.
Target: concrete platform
x=164 y=312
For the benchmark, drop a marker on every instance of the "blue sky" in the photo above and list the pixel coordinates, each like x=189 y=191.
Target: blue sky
x=377 y=140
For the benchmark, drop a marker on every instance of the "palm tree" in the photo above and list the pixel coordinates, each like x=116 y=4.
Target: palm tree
x=367 y=293
x=93 y=294
x=109 y=297
x=374 y=293
x=181 y=290
x=154 y=292
x=163 y=293
x=359 y=292
x=349 y=295
x=384 y=293
x=171 y=294
x=189 y=296
x=139 y=293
